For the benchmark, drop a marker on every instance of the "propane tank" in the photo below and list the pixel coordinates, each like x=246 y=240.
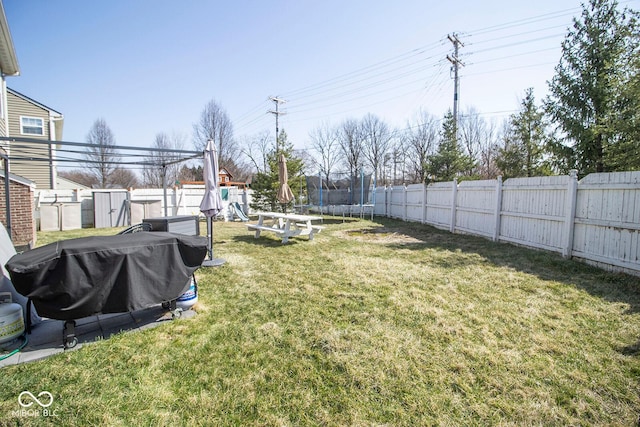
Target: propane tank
x=189 y=298
x=11 y=320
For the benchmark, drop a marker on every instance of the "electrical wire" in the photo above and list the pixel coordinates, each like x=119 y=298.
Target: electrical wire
x=378 y=83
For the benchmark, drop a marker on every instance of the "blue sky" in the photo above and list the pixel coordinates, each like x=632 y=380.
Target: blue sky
x=151 y=66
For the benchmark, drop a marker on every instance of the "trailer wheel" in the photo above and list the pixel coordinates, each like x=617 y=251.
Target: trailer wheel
x=71 y=343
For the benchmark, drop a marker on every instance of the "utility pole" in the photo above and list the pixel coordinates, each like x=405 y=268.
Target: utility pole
x=455 y=61
x=277 y=113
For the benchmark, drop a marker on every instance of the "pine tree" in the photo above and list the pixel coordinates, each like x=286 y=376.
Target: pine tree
x=623 y=151
x=449 y=161
x=589 y=79
x=524 y=142
x=265 y=184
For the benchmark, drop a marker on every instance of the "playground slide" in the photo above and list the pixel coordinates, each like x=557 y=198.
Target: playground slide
x=239 y=212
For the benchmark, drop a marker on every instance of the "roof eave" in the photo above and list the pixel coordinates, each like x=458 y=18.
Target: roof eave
x=8 y=59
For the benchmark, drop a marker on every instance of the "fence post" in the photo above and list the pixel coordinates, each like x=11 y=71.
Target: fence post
x=386 y=201
x=572 y=193
x=174 y=201
x=496 y=231
x=404 y=202
x=452 y=227
x=424 y=202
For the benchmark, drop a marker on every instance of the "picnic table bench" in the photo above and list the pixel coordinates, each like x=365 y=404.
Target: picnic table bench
x=286 y=225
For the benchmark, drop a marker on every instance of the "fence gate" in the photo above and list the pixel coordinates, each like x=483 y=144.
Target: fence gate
x=110 y=209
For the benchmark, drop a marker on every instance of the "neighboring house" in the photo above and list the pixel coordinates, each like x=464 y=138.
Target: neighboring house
x=67 y=184
x=8 y=67
x=23 y=232
x=28 y=118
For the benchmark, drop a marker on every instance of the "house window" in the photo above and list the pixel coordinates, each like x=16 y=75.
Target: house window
x=31 y=126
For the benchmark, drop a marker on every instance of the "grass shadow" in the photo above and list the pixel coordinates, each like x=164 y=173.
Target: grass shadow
x=338 y=220
x=265 y=240
x=631 y=350
x=612 y=287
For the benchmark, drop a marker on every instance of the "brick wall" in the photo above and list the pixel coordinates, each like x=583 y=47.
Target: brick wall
x=23 y=225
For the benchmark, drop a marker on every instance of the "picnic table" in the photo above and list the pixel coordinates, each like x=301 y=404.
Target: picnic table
x=286 y=225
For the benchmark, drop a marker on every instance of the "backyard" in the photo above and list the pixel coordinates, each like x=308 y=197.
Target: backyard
x=370 y=323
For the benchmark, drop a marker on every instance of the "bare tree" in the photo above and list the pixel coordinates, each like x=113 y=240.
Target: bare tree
x=472 y=129
x=101 y=157
x=215 y=125
x=123 y=178
x=351 y=141
x=256 y=148
x=487 y=167
x=421 y=139
x=377 y=142
x=397 y=159
x=479 y=141
x=152 y=173
x=324 y=141
x=190 y=173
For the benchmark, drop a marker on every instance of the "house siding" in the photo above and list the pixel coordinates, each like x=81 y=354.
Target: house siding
x=3 y=128
x=36 y=171
x=3 y=108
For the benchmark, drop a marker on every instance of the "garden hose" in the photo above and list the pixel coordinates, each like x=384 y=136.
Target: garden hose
x=6 y=356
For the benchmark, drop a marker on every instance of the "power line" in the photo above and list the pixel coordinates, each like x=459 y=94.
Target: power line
x=393 y=73
x=525 y=21
x=364 y=70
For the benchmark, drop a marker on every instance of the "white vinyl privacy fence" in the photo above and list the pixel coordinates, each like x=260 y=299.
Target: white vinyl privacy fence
x=137 y=205
x=596 y=219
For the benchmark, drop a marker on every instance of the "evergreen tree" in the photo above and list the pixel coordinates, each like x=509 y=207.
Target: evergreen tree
x=449 y=161
x=524 y=142
x=589 y=79
x=623 y=152
x=511 y=155
x=265 y=184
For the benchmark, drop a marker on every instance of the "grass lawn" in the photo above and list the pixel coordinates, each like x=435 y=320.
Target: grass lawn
x=371 y=323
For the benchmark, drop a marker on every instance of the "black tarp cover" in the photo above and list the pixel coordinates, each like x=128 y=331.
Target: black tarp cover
x=76 y=278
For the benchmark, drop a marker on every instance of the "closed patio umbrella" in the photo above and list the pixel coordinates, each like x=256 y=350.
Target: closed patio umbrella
x=285 y=195
x=211 y=203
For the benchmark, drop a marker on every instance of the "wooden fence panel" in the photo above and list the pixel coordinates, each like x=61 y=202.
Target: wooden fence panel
x=396 y=202
x=476 y=207
x=534 y=211
x=438 y=204
x=414 y=205
x=607 y=223
x=380 y=201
